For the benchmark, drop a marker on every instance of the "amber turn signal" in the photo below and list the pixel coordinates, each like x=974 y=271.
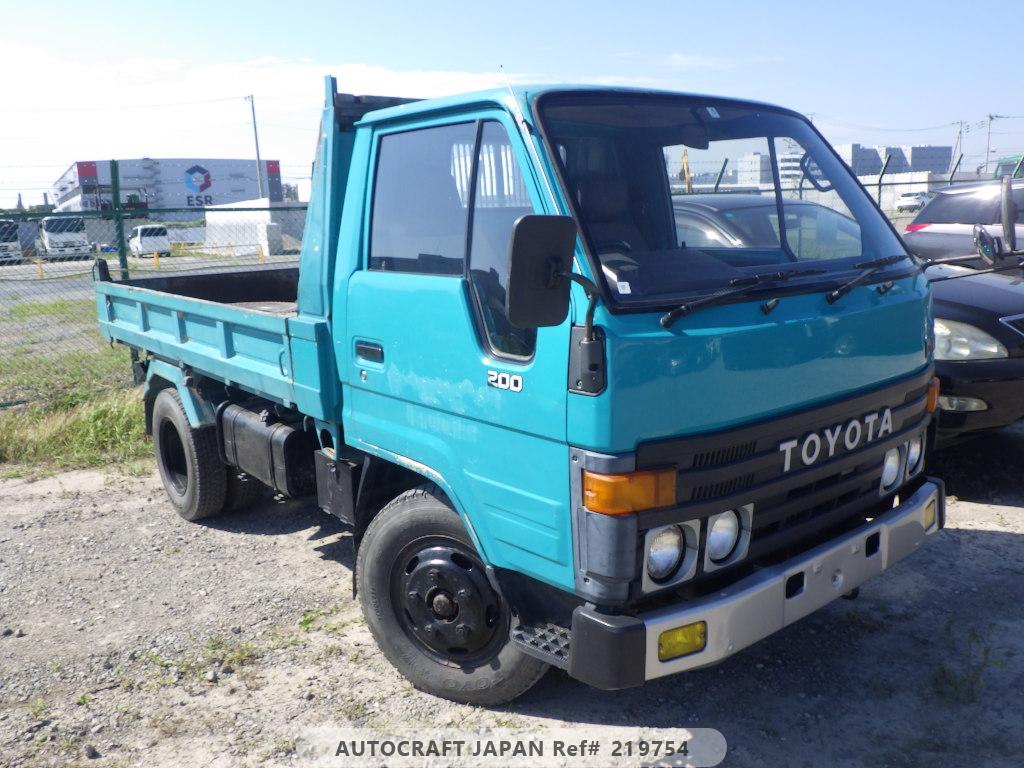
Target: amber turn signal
x=629 y=492
x=933 y=395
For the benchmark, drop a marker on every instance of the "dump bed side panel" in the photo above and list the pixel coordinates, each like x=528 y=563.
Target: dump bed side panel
x=247 y=348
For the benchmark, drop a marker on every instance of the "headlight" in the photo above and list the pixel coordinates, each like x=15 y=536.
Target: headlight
x=890 y=468
x=723 y=533
x=914 y=453
x=665 y=552
x=960 y=341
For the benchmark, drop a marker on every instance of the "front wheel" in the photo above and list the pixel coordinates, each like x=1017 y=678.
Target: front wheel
x=432 y=609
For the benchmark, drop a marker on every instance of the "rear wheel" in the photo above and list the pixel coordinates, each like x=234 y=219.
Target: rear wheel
x=188 y=460
x=431 y=608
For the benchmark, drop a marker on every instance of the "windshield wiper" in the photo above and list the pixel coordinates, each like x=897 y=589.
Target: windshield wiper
x=738 y=285
x=870 y=268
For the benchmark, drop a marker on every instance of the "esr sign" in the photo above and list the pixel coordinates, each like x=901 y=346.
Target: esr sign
x=198 y=201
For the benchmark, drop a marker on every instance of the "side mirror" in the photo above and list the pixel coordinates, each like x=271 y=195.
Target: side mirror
x=540 y=251
x=1008 y=210
x=989 y=249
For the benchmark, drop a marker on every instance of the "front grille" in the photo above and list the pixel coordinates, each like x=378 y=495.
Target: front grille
x=724 y=488
x=734 y=468
x=725 y=455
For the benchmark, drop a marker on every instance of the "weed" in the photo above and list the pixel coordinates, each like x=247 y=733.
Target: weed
x=281 y=640
x=308 y=618
x=83 y=700
x=961 y=679
x=37 y=709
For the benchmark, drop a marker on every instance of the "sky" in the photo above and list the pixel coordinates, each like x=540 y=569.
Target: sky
x=96 y=80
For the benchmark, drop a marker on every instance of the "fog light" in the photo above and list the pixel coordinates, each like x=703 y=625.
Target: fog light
x=682 y=641
x=665 y=552
x=723 y=533
x=914 y=454
x=890 y=468
x=953 y=403
x=931 y=510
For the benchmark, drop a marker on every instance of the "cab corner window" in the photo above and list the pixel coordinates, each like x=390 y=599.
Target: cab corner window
x=500 y=197
x=420 y=200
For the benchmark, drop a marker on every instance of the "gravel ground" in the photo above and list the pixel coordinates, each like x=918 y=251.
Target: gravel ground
x=130 y=637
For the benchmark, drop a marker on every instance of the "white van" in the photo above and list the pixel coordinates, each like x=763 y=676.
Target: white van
x=149 y=239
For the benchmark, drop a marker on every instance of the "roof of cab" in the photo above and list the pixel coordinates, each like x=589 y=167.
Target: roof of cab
x=526 y=93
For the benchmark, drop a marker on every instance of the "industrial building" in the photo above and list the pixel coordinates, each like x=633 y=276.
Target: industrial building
x=868 y=161
x=166 y=183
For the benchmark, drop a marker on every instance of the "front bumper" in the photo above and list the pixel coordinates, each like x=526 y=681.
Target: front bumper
x=622 y=651
x=1000 y=383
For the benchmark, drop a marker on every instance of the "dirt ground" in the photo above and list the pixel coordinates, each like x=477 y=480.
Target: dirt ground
x=130 y=637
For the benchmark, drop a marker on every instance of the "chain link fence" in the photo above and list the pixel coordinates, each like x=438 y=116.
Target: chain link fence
x=50 y=348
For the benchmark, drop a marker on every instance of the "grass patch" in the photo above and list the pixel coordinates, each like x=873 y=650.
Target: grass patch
x=83 y=309
x=64 y=380
x=105 y=430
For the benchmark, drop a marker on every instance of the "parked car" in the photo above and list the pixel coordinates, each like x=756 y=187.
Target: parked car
x=945 y=226
x=149 y=239
x=979 y=350
x=912 y=201
x=979 y=319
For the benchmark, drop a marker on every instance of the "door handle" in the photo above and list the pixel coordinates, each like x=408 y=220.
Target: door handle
x=370 y=351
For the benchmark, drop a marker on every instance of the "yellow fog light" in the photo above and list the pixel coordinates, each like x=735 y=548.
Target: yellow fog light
x=682 y=641
x=931 y=510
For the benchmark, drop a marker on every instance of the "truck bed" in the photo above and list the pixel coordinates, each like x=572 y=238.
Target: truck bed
x=240 y=327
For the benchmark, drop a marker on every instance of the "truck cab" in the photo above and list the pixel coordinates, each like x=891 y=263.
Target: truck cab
x=62 y=237
x=10 y=243
x=568 y=425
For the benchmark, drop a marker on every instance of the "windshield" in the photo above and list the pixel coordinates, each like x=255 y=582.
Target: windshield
x=64 y=226
x=8 y=231
x=153 y=232
x=678 y=196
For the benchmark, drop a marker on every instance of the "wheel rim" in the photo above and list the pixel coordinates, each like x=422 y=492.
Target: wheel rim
x=445 y=604
x=172 y=454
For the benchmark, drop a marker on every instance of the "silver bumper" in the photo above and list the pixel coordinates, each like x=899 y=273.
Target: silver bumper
x=757 y=606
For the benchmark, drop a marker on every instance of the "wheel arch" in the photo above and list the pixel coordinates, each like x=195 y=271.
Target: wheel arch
x=385 y=476
x=161 y=375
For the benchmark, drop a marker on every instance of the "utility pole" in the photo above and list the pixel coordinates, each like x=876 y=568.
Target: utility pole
x=256 y=138
x=988 y=140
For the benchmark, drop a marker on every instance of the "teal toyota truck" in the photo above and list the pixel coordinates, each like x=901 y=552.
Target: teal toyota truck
x=613 y=380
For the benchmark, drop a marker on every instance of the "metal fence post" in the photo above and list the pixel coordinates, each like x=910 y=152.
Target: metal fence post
x=122 y=250
x=881 y=175
x=115 y=206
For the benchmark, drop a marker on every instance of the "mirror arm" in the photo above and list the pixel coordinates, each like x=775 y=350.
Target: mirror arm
x=992 y=270
x=925 y=263
x=592 y=294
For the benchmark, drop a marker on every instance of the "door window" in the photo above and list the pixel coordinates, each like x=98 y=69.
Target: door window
x=500 y=197
x=420 y=200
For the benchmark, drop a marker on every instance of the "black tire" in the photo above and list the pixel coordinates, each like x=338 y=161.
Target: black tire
x=242 y=490
x=188 y=460
x=487 y=669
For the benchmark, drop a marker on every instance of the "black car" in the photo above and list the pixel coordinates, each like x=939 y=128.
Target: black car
x=945 y=226
x=979 y=350
x=979 y=318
